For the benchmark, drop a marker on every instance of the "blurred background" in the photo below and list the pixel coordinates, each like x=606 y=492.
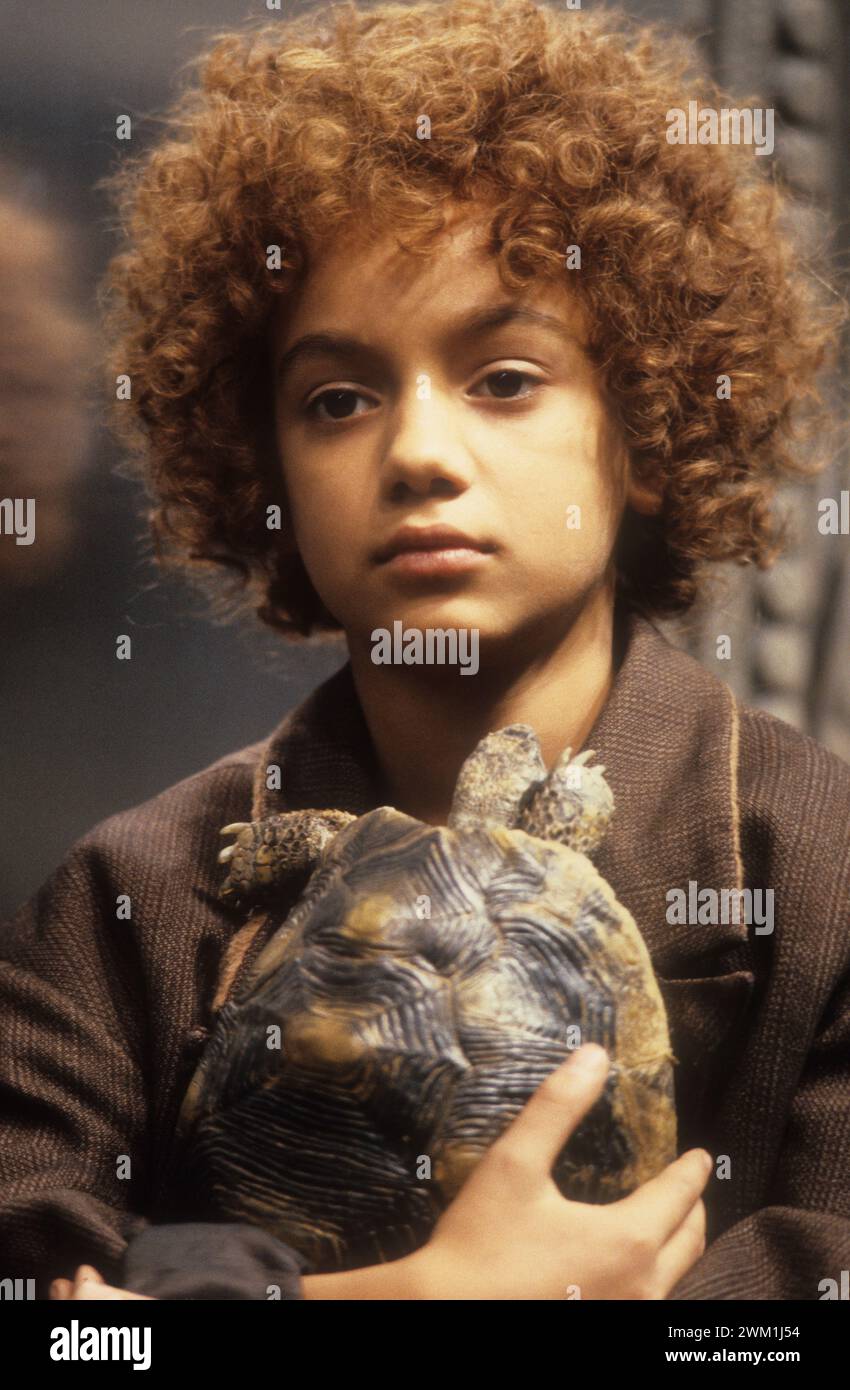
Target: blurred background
x=85 y=735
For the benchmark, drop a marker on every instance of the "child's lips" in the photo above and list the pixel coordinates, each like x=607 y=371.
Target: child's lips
x=447 y=560
x=424 y=539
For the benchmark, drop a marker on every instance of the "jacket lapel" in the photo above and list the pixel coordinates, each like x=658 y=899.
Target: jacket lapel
x=668 y=737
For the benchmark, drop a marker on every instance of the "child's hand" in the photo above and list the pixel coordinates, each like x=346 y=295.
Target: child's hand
x=89 y=1284
x=510 y=1234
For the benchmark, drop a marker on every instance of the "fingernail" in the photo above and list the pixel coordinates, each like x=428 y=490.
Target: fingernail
x=591 y=1057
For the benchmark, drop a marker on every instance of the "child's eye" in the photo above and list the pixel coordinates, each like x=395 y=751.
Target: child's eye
x=507 y=381
x=340 y=401
x=337 y=401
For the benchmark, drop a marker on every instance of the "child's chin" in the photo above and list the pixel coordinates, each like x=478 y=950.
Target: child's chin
x=436 y=612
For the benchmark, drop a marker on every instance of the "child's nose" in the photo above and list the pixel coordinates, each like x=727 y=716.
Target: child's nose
x=425 y=450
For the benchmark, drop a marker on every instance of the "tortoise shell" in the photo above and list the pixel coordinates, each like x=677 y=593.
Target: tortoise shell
x=425 y=984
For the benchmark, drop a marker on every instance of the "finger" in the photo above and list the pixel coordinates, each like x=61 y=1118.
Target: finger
x=61 y=1288
x=662 y=1204
x=543 y=1126
x=682 y=1250
x=83 y=1274
x=90 y=1290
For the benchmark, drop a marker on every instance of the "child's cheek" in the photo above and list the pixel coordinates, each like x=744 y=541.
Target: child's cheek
x=567 y=503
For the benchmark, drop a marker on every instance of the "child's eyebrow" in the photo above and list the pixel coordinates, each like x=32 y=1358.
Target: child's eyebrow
x=475 y=324
x=497 y=315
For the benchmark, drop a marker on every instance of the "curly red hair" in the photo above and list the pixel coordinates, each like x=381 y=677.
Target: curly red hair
x=555 y=120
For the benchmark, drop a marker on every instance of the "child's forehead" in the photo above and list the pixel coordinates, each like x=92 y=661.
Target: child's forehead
x=362 y=275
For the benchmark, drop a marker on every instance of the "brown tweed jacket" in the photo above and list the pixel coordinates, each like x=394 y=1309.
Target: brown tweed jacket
x=102 y=1019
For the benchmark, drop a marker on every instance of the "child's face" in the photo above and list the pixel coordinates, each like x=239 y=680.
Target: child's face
x=502 y=433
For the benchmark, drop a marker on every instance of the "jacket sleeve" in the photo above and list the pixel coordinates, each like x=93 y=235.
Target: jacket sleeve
x=213 y=1260
x=76 y=1111
x=800 y=1240
x=73 y=1092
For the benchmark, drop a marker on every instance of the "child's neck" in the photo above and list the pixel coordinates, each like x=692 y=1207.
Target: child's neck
x=425 y=721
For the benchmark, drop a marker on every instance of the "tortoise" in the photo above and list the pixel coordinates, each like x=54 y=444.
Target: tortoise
x=427 y=981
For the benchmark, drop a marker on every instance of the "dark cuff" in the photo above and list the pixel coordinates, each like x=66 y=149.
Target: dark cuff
x=211 y=1260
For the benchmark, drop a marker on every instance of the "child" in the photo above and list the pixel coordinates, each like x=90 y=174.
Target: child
x=430 y=287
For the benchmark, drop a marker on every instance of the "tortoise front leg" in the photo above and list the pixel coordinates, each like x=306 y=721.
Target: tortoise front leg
x=265 y=852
